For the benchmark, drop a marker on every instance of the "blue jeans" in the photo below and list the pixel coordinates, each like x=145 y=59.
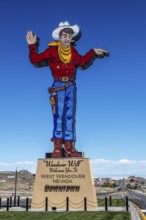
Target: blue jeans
x=64 y=117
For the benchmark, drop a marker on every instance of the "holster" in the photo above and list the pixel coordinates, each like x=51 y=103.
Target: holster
x=53 y=102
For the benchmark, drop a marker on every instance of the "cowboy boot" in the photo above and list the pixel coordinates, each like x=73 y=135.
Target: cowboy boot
x=70 y=150
x=57 y=153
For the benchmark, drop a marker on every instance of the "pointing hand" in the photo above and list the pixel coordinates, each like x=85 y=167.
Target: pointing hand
x=101 y=53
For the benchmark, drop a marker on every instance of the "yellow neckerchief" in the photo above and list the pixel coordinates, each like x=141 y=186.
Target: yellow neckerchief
x=63 y=52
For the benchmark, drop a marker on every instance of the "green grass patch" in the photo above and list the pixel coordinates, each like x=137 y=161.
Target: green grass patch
x=115 y=202
x=64 y=216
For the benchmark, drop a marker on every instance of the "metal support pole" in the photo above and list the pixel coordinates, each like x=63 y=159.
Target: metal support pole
x=14 y=200
x=110 y=201
x=105 y=203
x=85 y=204
x=127 y=207
x=7 y=204
x=67 y=204
x=15 y=193
x=10 y=201
x=18 y=204
x=46 y=204
x=27 y=204
x=0 y=203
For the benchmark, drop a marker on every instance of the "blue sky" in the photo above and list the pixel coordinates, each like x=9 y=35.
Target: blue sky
x=111 y=95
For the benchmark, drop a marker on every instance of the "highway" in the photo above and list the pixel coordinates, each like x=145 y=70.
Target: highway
x=138 y=198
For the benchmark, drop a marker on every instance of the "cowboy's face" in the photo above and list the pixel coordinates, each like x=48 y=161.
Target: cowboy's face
x=65 y=39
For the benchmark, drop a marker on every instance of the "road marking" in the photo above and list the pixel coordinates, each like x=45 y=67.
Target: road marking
x=140 y=212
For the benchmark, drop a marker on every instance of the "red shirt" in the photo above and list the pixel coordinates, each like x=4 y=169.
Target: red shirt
x=50 y=58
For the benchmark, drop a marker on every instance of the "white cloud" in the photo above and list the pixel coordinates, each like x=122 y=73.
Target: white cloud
x=119 y=162
x=125 y=161
x=26 y=163
x=19 y=165
x=119 y=167
x=100 y=161
x=5 y=164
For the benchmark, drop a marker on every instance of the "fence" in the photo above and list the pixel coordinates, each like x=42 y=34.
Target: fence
x=65 y=205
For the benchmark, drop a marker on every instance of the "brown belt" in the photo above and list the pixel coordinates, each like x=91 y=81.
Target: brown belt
x=53 y=90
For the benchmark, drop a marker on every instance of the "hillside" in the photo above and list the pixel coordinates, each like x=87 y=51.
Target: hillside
x=23 y=180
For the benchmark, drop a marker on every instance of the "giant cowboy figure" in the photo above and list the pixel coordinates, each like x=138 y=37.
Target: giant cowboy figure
x=63 y=60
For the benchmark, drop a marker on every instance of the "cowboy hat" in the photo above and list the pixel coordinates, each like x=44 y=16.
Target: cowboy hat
x=63 y=25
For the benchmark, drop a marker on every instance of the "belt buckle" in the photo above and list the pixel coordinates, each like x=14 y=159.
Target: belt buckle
x=64 y=79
